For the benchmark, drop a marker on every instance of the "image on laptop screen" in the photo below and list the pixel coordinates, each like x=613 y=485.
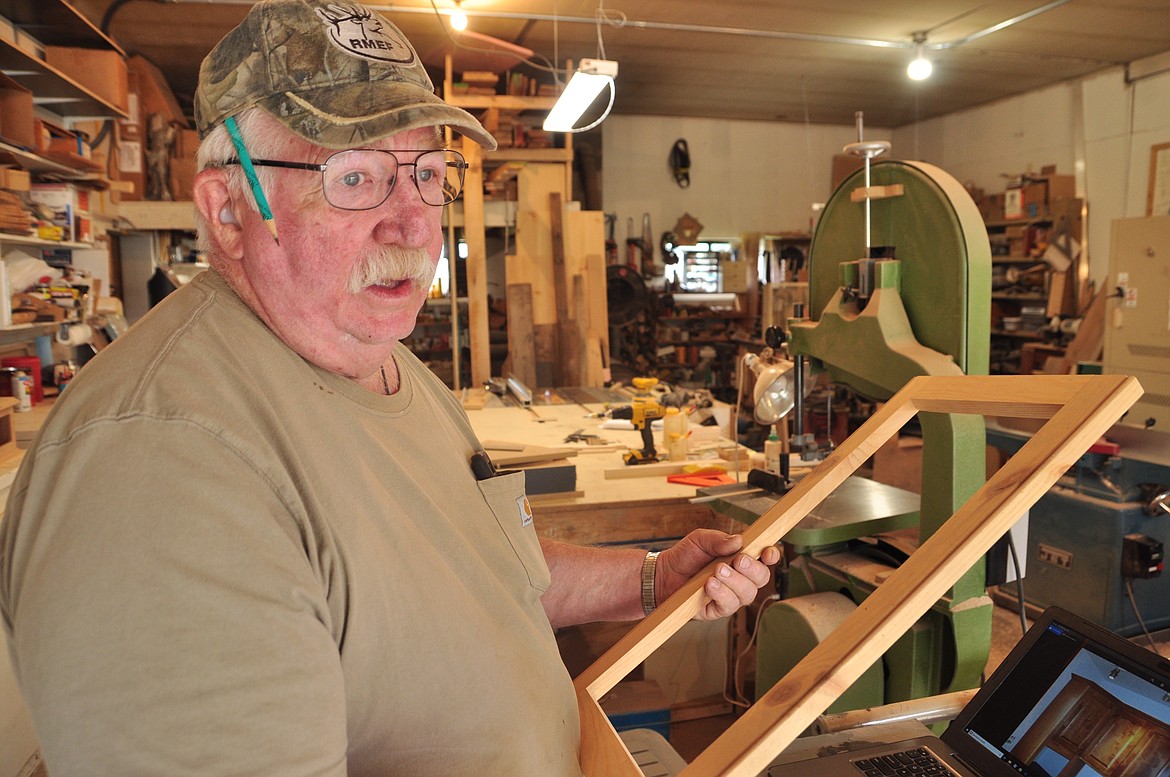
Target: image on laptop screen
x=1073 y=707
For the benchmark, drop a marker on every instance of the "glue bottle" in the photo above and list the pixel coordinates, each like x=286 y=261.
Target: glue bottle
x=674 y=434
x=22 y=391
x=773 y=450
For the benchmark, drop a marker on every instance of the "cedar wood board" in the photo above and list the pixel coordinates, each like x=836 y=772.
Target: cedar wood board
x=1080 y=409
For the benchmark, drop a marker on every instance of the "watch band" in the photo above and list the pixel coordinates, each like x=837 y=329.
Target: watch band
x=649 y=570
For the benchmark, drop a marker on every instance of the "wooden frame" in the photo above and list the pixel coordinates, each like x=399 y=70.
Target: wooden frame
x=1080 y=408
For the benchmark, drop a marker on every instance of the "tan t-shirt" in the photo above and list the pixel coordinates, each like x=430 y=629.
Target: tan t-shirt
x=219 y=559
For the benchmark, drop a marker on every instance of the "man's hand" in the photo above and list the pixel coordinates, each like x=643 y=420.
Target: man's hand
x=735 y=581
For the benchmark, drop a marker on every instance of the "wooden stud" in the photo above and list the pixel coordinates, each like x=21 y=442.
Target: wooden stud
x=1079 y=410
x=477 y=304
x=566 y=372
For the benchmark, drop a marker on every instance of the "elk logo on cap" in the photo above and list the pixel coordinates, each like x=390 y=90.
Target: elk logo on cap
x=363 y=33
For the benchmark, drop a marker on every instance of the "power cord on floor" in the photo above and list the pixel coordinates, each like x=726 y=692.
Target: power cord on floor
x=1138 y=615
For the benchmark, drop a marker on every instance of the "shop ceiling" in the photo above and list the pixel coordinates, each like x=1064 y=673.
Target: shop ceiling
x=789 y=60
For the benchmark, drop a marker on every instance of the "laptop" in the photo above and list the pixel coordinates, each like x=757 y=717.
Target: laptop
x=1070 y=700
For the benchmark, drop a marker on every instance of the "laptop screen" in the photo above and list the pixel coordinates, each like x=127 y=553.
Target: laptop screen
x=1071 y=700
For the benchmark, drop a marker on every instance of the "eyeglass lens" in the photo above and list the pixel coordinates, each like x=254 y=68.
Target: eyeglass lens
x=359 y=179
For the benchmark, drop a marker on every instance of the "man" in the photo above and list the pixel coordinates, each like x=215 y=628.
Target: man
x=248 y=539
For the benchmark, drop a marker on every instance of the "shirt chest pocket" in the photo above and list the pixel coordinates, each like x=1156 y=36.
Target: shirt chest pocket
x=505 y=496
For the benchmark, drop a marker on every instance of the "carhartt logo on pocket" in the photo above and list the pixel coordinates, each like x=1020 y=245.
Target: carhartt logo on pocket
x=525 y=510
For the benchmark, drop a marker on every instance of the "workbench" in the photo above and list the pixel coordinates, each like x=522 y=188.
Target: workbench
x=24 y=427
x=603 y=509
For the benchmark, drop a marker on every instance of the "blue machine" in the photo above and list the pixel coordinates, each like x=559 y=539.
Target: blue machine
x=1095 y=541
x=1097 y=536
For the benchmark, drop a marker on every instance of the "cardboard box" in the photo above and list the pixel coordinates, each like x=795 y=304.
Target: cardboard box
x=66 y=202
x=16 y=114
x=1014 y=205
x=82 y=229
x=150 y=95
x=1034 y=195
x=14 y=179
x=1059 y=187
x=183 y=179
x=101 y=72
x=130 y=164
x=991 y=207
x=736 y=276
x=844 y=165
x=186 y=144
x=154 y=93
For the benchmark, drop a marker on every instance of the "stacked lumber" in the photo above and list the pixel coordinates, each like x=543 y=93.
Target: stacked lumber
x=13 y=216
x=558 y=320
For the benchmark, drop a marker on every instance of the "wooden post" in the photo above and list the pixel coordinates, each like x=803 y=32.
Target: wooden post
x=567 y=371
x=473 y=234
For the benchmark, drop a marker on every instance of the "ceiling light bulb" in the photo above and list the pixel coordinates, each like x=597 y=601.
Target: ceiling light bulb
x=458 y=20
x=920 y=68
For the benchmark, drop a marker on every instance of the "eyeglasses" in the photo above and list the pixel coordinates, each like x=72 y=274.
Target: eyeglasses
x=362 y=178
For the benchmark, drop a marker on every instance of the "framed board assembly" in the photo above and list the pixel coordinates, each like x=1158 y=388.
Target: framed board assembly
x=1078 y=408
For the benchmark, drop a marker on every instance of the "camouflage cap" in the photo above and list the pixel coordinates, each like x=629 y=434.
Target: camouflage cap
x=335 y=73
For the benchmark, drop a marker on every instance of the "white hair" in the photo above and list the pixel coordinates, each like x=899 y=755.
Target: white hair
x=264 y=137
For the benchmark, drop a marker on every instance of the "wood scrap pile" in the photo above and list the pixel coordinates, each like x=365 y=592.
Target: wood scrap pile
x=13 y=216
x=557 y=310
x=40 y=309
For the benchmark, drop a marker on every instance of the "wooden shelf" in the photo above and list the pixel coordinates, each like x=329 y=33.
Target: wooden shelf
x=1019 y=297
x=1017 y=334
x=22 y=333
x=503 y=102
x=52 y=89
x=145 y=215
x=57 y=23
x=1016 y=260
x=1050 y=290
x=529 y=155
x=33 y=240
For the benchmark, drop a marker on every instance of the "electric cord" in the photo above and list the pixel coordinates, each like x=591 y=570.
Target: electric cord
x=738 y=661
x=1138 y=615
x=1019 y=584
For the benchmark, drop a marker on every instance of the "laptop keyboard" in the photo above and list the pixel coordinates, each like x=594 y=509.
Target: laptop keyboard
x=918 y=762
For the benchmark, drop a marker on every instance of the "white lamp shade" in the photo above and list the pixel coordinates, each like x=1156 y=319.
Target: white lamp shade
x=774 y=392
x=583 y=88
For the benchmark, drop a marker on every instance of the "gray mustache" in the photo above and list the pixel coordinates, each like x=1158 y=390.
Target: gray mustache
x=392 y=264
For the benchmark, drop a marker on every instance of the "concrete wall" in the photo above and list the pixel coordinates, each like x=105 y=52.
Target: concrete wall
x=745 y=176
x=1099 y=128
x=761 y=176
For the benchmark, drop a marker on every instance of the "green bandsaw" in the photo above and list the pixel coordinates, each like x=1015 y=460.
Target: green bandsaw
x=875 y=323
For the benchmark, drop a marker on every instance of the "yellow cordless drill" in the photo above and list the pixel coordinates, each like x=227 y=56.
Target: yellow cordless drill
x=641 y=412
